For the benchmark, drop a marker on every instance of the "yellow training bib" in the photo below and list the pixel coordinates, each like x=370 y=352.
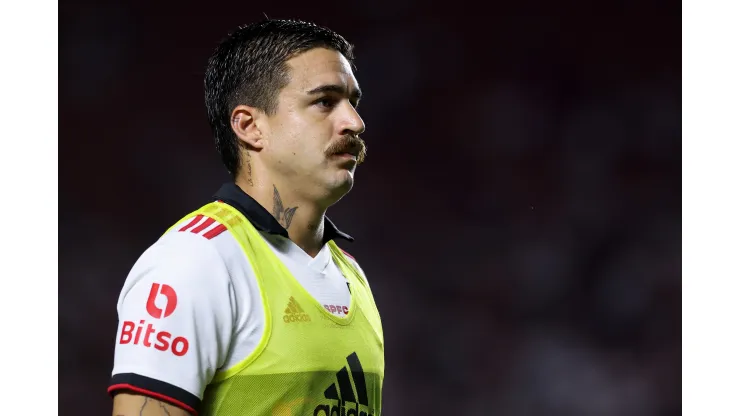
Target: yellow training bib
x=309 y=362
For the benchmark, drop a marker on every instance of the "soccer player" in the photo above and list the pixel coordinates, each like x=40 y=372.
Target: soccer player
x=247 y=306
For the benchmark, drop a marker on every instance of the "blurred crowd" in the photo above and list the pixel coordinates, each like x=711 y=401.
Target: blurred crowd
x=518 y=216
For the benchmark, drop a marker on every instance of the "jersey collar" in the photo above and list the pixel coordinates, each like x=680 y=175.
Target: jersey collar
x=262 y=219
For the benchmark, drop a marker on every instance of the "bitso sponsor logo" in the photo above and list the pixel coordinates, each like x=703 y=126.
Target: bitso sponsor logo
x=294 y=312
x=164 y=340
x=347 y=403
x=170 y=297
x=147 y=335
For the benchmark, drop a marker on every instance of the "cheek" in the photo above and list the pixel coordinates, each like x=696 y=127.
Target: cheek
x=304 y=137
x=310 y=138
x=286 y=134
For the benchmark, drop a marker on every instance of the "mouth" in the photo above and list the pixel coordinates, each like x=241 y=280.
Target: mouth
x=353 y=152
x=345 y=155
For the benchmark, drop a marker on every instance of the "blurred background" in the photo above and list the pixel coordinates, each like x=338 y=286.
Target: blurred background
x=518 y=217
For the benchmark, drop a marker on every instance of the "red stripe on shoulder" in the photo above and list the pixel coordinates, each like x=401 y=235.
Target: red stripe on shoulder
x=192 y=223
x=152 y=394
x=348 y=255
x=207 y=223
x=215 y=231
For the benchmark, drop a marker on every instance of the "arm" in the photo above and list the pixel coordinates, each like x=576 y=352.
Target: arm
x=126 y=404
x=175 y=327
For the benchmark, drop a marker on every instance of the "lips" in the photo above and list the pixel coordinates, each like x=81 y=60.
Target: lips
x=352 y=152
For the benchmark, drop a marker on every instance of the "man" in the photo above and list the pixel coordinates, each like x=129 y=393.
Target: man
x=247 y=306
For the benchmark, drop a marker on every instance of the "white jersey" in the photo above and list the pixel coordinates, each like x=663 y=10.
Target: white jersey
x=191 y=305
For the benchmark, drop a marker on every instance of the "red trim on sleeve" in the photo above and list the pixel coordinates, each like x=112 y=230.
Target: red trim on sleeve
x=154 y=395
x=348 y=255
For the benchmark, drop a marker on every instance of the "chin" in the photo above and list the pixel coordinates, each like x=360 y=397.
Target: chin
x=340 y=185
x=345 y=181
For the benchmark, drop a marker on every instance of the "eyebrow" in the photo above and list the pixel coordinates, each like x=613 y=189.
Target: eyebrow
x=355 y=94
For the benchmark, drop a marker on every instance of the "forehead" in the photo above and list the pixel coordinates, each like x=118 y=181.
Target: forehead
x=320 y=66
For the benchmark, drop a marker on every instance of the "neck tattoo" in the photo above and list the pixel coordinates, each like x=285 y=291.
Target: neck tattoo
x=283 y=215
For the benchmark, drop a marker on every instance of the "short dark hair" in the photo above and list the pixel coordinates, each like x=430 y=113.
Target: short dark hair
x=249 y=67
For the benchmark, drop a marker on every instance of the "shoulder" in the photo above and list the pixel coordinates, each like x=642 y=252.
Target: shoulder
x=353 y=261
x=196 y=239
x=196 y=250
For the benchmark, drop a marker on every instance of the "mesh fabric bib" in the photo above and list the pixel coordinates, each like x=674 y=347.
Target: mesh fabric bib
x=309 y=362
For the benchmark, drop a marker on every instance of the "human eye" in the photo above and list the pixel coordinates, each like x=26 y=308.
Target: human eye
x=326 y=103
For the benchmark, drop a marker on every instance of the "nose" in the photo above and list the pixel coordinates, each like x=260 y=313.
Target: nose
x=352 y=123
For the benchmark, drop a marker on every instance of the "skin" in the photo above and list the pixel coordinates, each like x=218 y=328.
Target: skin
x=125 y=404
x=289 y=165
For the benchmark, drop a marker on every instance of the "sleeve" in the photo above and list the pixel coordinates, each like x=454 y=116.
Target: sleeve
x=176 y=319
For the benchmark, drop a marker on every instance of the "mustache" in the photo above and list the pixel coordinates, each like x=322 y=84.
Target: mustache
x=349 y=144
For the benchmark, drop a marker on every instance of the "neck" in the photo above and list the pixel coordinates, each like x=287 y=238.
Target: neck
x=303 y=219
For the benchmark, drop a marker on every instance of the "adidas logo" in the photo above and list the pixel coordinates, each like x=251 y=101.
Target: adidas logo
x=294 y=312
x=345 y=393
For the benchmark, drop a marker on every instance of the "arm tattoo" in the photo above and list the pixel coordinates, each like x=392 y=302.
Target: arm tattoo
x=164 y=408
x=283 y=215
x=146 y=400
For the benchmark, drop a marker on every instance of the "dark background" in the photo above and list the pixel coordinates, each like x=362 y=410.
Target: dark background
x=519 y=214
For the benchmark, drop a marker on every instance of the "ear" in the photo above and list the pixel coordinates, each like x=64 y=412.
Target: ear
x=245 y=123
